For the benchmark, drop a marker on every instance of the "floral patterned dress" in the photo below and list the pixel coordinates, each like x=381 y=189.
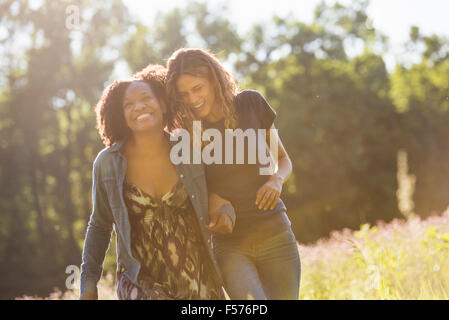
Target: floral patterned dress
x=166 y=240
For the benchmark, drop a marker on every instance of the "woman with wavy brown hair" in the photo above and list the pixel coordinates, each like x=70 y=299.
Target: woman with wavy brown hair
x=160 y=210
x=260 y=258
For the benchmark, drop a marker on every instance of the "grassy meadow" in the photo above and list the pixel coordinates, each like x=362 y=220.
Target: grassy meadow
x=404 y=259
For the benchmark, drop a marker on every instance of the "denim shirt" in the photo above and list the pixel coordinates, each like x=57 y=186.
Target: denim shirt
x=109 y=170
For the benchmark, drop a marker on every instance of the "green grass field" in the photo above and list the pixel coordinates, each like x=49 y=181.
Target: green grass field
x=399 y=260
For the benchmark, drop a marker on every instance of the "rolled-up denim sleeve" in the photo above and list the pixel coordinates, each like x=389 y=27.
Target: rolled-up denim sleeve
x=229 y=210
x=98 y=235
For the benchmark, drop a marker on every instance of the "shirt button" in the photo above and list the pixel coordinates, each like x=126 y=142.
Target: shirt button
x=193 y=196
x=181 y=175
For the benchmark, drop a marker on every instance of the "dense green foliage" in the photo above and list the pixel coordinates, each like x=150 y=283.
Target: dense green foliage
x=342 y=117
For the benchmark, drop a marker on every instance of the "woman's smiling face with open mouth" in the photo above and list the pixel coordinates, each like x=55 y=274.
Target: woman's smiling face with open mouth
x=197 y=94
x=141 y=107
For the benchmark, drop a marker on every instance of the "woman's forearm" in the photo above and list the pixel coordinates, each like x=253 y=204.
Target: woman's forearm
x=284 y=169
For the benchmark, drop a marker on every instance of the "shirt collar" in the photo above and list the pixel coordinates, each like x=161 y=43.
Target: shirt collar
x=117 y=147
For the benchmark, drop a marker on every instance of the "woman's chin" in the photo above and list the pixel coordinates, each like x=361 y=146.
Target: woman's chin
x=148 y=128
x=201 y=113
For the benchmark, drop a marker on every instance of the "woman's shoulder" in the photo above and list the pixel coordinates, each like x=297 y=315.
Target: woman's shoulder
x=105 y=157
x=251 y=104
x=248 y=97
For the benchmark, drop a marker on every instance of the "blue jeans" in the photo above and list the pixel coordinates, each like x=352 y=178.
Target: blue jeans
x=260 y=269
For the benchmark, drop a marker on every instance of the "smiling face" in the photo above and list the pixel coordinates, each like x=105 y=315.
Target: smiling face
x=197 y=93
x=141 y=108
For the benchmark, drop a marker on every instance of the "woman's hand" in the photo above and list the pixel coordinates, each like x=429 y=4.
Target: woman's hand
x=219 y=222
x=89 y=295
x=268 y=195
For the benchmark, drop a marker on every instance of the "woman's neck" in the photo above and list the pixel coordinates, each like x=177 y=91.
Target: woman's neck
x=215 y=115
x=148 y=144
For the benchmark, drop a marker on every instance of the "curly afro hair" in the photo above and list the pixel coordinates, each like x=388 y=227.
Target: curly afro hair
x=111 y=123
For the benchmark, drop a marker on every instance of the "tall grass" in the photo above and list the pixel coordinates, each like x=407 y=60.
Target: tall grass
x=404 y=259
x=400 y=260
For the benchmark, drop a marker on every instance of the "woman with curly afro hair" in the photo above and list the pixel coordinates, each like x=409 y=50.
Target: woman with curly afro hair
x=159 y=210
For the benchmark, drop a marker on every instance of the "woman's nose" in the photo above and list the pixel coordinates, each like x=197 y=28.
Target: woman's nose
x=139 y=105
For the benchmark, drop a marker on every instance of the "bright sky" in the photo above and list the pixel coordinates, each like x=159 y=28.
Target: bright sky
x=391 y=17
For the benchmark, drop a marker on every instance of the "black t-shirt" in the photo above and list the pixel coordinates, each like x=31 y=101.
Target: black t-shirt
x=239 y=183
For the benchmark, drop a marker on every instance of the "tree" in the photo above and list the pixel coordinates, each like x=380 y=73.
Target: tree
x=420 y=93
x=46 y=104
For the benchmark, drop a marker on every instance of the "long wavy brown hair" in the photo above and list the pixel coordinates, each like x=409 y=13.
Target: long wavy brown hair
x=198 y=63
x=111 y=123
